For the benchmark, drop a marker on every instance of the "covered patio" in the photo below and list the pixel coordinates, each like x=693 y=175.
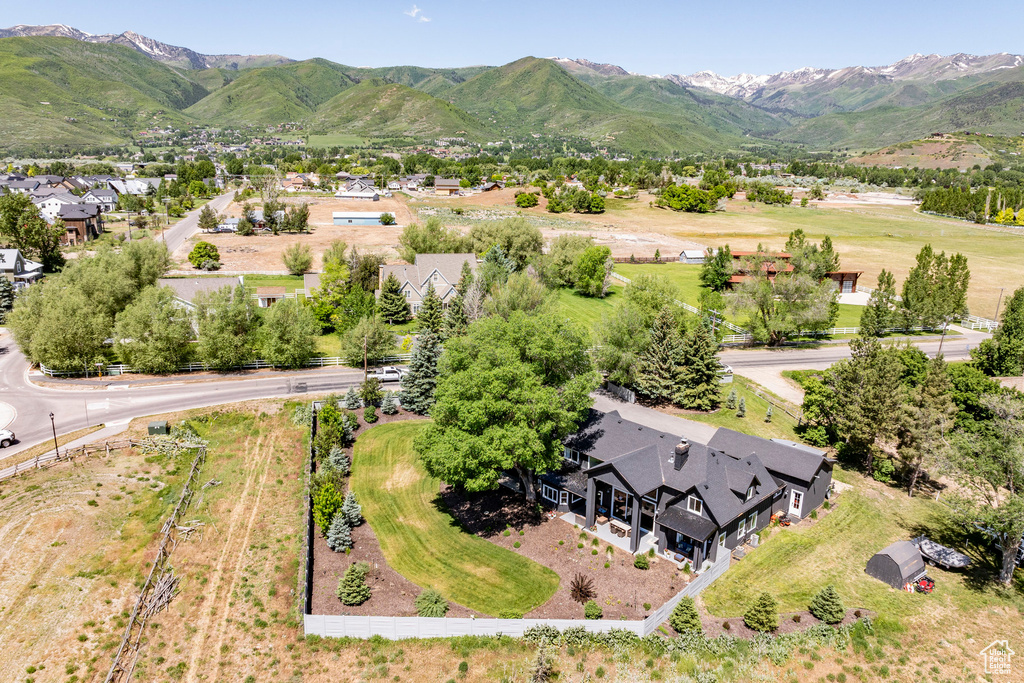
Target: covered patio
x=688 y=538
x=612 y=535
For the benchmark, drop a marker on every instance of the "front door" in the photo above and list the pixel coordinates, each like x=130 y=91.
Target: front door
x=796 y=501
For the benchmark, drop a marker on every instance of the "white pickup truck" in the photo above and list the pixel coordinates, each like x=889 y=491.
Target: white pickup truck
x=388 y=373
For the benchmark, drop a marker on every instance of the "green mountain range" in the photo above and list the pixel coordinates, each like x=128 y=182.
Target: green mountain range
x=63 y=91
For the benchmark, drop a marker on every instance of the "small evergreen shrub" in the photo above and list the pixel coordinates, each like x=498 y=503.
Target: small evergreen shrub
x=351 y=510
x=684 y=617
x=506 y=532
x=594 y=551
x=730 y=402
x=338 y=461
x=370 y=415
x=339 y=536
x=742 y=410
x=763 y=615
x=352 y=589
x=517 y=544
x=827 y=606
x=389 y=406
x=510 y=614
x=647 y=607
x=352 y=401
x=641 y=562
x=592 y=610
x=814 y=514
x=430 y=603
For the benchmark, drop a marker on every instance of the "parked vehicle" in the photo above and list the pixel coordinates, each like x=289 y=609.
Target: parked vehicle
x=389 y=373
x=6 y=438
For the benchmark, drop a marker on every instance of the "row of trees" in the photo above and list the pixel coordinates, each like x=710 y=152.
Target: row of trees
x=897 y=415
x=977 y=205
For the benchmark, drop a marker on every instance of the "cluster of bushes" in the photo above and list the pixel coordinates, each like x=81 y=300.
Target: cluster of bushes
x=693 y=199
x=572 y=199
x=575 y=261
x=767 y=193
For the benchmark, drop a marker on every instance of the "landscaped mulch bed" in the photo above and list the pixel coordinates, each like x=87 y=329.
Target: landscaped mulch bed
x=622 y=589
x=715 y=627
x=391 y=593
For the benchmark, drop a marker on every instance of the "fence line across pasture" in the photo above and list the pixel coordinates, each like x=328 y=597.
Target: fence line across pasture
x=50 y=458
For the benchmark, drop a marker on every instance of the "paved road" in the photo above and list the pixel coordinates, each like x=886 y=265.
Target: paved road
x=176 y=235
x=765 y=366
x=77 y=406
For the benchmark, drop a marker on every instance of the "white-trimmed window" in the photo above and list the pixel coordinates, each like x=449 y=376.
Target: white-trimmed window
x=752 y=521
x=750 y=492
x=550 y=493
x=742 y=529
x=574 y=456
x=695 y=505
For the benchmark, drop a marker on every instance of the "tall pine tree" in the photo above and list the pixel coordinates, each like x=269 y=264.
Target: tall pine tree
x=456 y=322
x=430 y=316
x=660 y=369
x=700 y=389
x=927 y=418
x=419 y=384
x=392 y=304
x=880 y=314
x=1003 y=354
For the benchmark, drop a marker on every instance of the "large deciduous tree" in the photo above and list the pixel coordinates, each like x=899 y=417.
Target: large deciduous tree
x=509 y=393
x=1003 y=354
x=288 y=336
x=927 y=419
x=989 y=471
x=370 y=340
x=228 y=322
x=935 y=291
x=717 y=270
x=153 y=333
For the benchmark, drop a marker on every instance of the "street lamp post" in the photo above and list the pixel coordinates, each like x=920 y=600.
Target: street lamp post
x=54 y=428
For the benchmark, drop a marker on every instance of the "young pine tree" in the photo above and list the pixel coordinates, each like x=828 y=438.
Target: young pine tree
x=389 y=406
x=430 y=316
x=392 y=304
x=742 y=410
x=352 y=401
x=456 y=322
x=827 y=606
x=730 y=402
x=763 y=615
x=352 y=589
x=880 y=315
x=700 y=390
x=339 y=536
x=338 y=461
x=419 y=384
x=768 y=415
x=351 y=510
x=684 y=617
x=659 y=375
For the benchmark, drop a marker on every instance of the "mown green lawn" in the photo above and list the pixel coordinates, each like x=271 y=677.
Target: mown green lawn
x=585 y=310
x=423 y=543
x=289 y=282
x=782 y=425
x=794 y=563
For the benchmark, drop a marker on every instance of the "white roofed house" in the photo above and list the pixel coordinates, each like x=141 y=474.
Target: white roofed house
x=443 y=270
x=358 y=189
x=692 y=256
x=18 y=269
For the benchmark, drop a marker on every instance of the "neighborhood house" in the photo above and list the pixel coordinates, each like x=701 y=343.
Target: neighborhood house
x=689 y=501
x=443 y=270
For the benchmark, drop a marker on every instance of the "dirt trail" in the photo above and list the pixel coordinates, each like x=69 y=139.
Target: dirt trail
x=218 y=574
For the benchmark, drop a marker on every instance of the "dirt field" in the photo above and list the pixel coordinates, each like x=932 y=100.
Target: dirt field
x=948 y=152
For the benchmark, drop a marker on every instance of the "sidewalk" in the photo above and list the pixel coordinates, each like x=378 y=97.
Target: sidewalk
x=648 y=417
x=37 y=377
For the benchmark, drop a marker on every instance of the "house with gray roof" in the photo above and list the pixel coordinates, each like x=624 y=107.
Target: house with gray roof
x=18 y=269
x=186 y=288
x=442 y=270
x=689 y=501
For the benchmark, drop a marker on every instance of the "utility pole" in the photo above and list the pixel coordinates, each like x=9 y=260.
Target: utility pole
x=54 y=428
x=364 y=357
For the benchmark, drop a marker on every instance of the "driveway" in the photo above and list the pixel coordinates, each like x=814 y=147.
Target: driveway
x=648 y=417
x=176 y=235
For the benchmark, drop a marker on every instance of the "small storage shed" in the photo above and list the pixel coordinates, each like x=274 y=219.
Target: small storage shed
x=357 y=217
x=159 y=427
x=897 y=565
x=692 y=256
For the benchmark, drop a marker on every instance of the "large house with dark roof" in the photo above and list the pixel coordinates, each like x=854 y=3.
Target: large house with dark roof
x=689 y=501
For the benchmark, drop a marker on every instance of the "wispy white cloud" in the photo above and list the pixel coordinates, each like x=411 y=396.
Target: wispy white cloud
x=416 y=13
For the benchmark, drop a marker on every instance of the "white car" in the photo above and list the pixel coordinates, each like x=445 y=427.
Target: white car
x=389 y=373
x=6 y=438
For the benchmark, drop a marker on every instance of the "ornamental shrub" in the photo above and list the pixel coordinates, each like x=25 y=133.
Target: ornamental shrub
x=352 y=401
x=763 y=615
x=352 y=589
x=388 y=406
x=510 y=614
x=641 y=562
x=339 y=537
x=338 y=461
x=351 y=510
x=202 y=252
x=430 y=603
x=827 y=606
x=327 y=501
x=370 y=415
x=684 y=617
x=592 y=610
x=387 y=219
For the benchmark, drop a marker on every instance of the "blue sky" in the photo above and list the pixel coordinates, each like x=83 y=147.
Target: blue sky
x=648 y=37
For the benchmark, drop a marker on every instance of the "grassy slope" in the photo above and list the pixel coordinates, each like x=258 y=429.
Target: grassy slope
x=585 y=310
x=782 y=425
x=797 y=562
x=377 y=108
x=423 y=543
x=288 y=92
x=108 y=91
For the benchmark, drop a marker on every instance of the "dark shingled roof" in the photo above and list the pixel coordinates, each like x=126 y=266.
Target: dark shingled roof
x=645 y=459
x=678 y=519
x=799 y=463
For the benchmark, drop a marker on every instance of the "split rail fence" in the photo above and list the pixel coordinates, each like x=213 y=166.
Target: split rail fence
x=50 y=458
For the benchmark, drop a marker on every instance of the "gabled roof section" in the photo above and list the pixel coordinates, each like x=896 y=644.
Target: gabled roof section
x=797 y=462
x=418 y=275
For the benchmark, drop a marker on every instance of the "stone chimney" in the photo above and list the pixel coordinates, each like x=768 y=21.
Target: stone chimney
x=682 y=451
